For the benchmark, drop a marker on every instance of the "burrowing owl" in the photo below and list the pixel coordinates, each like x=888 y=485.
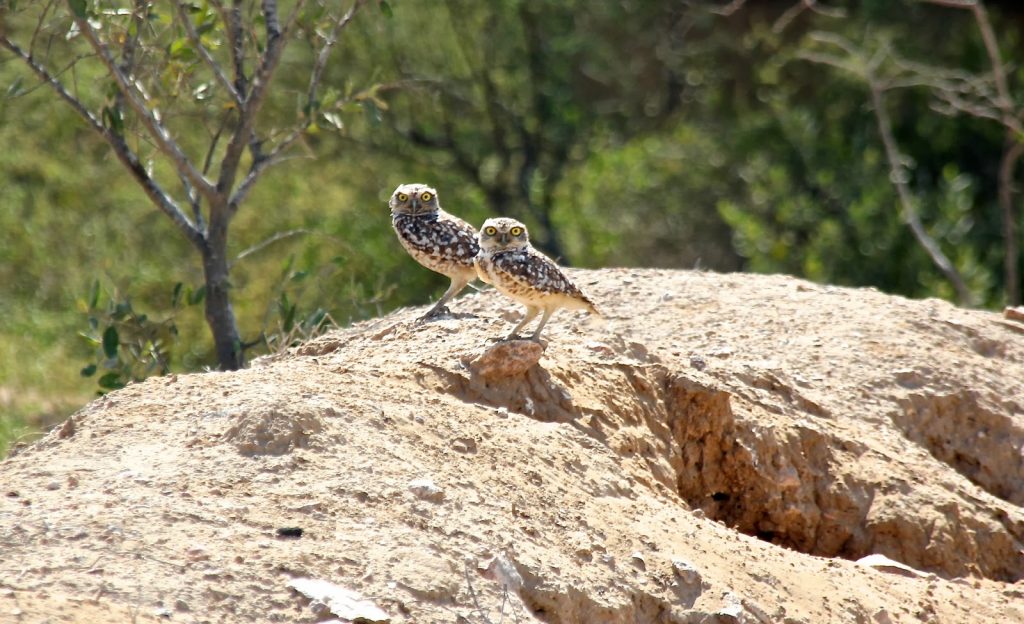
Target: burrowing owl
x=434 y=238
x=516 y=269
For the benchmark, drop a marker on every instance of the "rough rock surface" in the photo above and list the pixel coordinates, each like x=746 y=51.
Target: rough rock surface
x=725 y=449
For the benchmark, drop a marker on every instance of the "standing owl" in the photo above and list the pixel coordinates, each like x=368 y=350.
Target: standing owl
x=516 y=269
x=437 y=240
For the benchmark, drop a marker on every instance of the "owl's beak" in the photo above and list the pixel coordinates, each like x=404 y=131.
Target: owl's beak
x=503 y=238
x=415 y=205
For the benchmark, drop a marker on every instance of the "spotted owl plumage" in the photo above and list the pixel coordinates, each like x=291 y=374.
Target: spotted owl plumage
x=436 y=239
x=517 y=270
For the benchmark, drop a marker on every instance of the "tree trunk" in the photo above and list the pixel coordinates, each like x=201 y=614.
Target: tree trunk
x=219 y=314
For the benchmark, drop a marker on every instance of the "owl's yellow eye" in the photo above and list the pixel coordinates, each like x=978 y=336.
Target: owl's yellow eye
x=516 y=231
x=403 y=197
x=490 y=230
x=426 y=196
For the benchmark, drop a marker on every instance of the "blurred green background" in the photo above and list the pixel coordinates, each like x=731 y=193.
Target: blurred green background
x=624 y=132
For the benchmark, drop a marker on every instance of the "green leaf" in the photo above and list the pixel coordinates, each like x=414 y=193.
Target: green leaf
x=287 y=311
x=288 y=264
x=114 y=119
x=372 y=112
x=80 y=8
x=94 y=294
x=88 y=371
x=176 y=296
x=385 y=8
x=110 y=342
x=316 y=319
x=111 y=381
x=15 y=89
x=197 y=296
x=335 y=120
x=181 y=49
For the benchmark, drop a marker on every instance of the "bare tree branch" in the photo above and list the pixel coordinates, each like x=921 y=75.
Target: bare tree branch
x=273 y=48
x=1000 y=108
x=263 y=162
x=233 y=27
x=730 y=8
x=39 y=26
x=132 y=42
x=898 y=176
x=259 y=166
x=134 y=98
x=325 y=51
x=957 y=4
x=804 y=5
x=124 y=153
x=270 y=241
x=866 y=69
x=193 y=37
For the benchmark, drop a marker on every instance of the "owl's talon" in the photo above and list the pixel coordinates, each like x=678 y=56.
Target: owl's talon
x=508 y=261
x=434 y=313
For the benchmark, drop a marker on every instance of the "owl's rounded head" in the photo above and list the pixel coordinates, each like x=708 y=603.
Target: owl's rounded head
x=503 y=234
x=414 y=199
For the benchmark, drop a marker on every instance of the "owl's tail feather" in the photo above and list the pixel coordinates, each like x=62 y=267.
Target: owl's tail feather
x=589 y=306
x=596 y=318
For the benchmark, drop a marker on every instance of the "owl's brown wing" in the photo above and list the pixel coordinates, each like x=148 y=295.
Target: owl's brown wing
x=532 y=269
x=438 y=237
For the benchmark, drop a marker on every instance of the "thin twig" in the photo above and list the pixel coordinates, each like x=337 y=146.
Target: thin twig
x=325 y=51
x=233 y=27
x=39 y=26
x=857 y=63
x=1003 y=112
x=730 y=8
x=131 y=161
x=472 y=594
x=263 y=162
x=197 y=43
x=134 y=97
x=260 y=246
x=273 y=48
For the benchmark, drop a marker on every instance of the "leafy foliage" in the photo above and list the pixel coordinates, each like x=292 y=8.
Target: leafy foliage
x=128 y=345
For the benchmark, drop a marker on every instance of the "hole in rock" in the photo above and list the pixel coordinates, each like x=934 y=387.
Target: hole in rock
x=782 y=483
x=788 y=486
x=966 y=433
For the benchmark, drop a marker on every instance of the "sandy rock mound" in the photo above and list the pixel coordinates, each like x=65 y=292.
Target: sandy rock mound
x=274 y=429
x=729 y=448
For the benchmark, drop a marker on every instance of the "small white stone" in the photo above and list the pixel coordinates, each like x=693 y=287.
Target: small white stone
x=686 y=572
x=426 y=489
x=638 y=561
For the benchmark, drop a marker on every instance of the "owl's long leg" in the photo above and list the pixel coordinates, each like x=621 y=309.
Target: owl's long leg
x=540 y=326
x=531 y=313
x=458 y=283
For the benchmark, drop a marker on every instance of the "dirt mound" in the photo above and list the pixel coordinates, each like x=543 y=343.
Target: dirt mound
x=728 y=448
